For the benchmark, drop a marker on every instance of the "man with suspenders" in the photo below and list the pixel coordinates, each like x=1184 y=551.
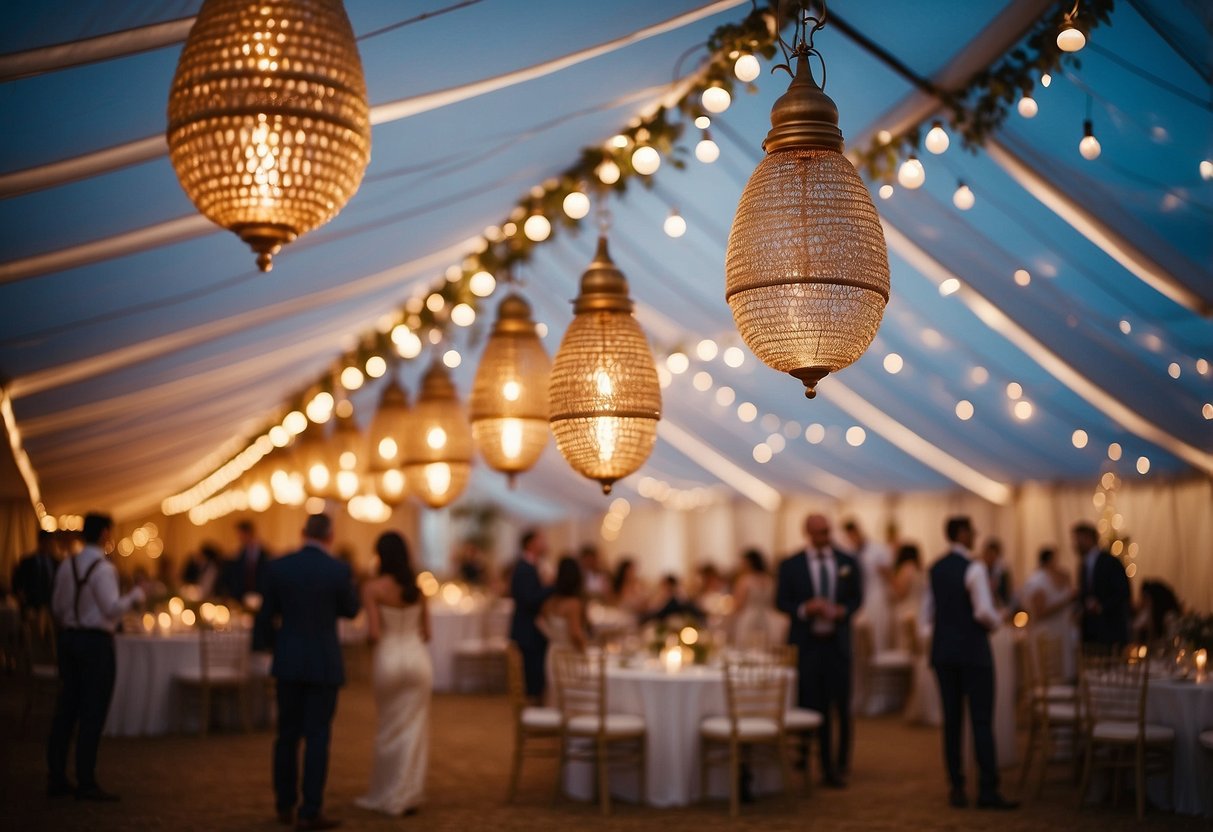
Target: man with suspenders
x=87 y=605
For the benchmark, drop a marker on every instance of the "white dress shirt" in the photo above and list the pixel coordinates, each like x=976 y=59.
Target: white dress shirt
x=977 y=582
x=101 y=605
x=1088 y=565
x=816 y=559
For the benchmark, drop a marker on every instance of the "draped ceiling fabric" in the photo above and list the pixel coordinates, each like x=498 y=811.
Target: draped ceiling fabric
x=141 y=346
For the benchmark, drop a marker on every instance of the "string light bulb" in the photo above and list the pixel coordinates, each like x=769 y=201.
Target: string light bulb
x=1027 y=107
x=1089 y=145
x=537 y=228
x=576 y=205
x=963 y=197
x=1206 y=170
x=707 y=151
x=716 y=99
x=646 y=160
x=1069 y=37
x=747 y=68
x=937 y=140
x=608 y=172
x=911 y=174
x=675 y=226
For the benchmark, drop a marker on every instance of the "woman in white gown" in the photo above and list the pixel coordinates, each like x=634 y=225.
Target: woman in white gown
x=563 y=617
x=399 y=628
x=1048 y=595
x=753 y=603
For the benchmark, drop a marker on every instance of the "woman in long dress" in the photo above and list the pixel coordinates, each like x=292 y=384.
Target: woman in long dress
x=1048 y=595
x=399 y=627
x=563 y=616
x=753 y=602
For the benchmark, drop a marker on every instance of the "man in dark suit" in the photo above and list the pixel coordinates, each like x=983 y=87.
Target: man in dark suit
x=529 y=593
x=1103 y=591
x=245 y=572
x=34 y=575
x=305 y=593
x=820 y=588
x=959 y=607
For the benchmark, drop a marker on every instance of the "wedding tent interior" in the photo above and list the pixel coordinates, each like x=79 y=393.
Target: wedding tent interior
x=1055 y=331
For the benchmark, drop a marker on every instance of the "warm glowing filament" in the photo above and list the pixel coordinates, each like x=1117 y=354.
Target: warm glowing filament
x=347 y=484
x=318 y=476
x=348 y=460
x=438 y=478
x=605 y=387
x=511 y=438
x=436 y=438
x=606 y=434
x=392 y=482
x=387 y=448
x=511 y=390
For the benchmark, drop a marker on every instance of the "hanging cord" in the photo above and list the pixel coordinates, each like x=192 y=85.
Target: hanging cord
x=400 y=24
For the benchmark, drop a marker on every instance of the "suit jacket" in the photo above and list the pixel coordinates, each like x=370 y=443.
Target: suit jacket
x=305 y=593
x=235 y=574
x=529 y=594
x=1109 y=585
x=795 y=586
x=34 y=580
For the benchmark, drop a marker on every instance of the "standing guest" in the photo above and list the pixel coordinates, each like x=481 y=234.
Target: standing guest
x=996 y=568
x=671 y=600
x=529 y=593
x=627 y=592
x=398 y=624
x=563 y=616
x=470 y=566
x=1103 y=592
x=820 y=589
x=34 y=575
x=245 y=573
x=753 y=601
x=959 y=608
x=908 y=585
x=1048 y=595
x=305 y=593
x=87 y=607
x=1156 y=613
x=597 y=581
x=877 y=563
x=204 y=570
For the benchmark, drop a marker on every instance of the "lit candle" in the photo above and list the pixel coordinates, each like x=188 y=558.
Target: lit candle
x=673 y=659
x=1201 y=657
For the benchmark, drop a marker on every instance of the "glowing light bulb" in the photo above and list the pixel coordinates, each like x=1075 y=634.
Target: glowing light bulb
x=435 y=437
x=576 y=205
x=893 y=363
x=949 y=286
x=937 y=140
x=408 y=344
x=747 y=68
x=706 y=349
x=375 y=366
x=1089 y=146
x=1023 y=410
x=1070 y=39
x=602 y=381
x=856 y=436
x=1027 y=107
x=707 y=151
x=716 y=99
x=452 y=358
x=463 y=315
x=646 y=160
x=388 y=448
x=675 y=226
x=734 y=357
x=964 y=410
x=608 y=172
x=1079 y=438
x=511 y=438
x=511 y=391
x=606 y=434
x=911 y=174
x=1046 y=79
x=347 y=484
x=1206 y=169
x=351 y=378
x=482 y=284
x=438 y=478
x=963 y=198
x=886 y=191
x=677 y=363
x=318 y=476
x=537 y=228
x=1143 y=465
x=703 y=122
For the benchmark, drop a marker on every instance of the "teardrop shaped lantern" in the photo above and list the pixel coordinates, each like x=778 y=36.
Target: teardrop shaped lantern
x=268 y=123
x=311 y=460
x=605 y=399
x=510 y=395
x=346 y=456
x=438 y=444
x=807 y=269
x=385 y=440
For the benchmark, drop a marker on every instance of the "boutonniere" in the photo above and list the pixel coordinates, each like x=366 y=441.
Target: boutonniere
x=844 y=571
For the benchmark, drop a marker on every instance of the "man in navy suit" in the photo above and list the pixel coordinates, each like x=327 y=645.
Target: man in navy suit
x=820 y=588
x=1103 y=591
x=245 y=572
x=529 y=593
x=305 y=593
x=959 y=607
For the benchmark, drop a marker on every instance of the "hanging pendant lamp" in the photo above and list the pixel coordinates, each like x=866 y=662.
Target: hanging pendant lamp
x=438 y=444
x=268 y=123
x=311 y=460
x=509 y=400
x=605 y=401
x=346 y=455
x=385 y=439
x=807 y=269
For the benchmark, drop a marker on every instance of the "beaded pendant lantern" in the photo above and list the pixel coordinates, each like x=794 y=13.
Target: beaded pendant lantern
x=605 y=398
x=346 y=454
x=438 y=444
x=385 y=439
x=807 y=268
x=509 y=400
x=268 y=123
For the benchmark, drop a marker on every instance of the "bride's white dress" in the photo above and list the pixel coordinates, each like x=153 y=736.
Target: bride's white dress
x=403 y=677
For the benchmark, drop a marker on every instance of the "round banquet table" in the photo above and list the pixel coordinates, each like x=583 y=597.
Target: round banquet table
x=1186 y=707
x=452 y=624
x=673 y=706
x=146 y=699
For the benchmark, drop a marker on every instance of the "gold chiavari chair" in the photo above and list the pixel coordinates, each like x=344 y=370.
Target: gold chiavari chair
x=537 y=731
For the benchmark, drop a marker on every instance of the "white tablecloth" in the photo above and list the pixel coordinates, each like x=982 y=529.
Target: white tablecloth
x=673 y=706
x=146 y=699
x=450 y=625
x=1188 y=708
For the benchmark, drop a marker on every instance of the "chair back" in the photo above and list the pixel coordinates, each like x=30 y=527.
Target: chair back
x=756 y=690
x=515 y=680
x=580 y=684
x=1047 y=660
x=224 y=653
x=1114 y=690
x=495 y=622
x=909 y=634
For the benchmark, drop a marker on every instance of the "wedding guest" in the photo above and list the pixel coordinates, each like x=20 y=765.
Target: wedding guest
x=753 y=601
x=470 y=564
x=959 y=609
x=672 y=600
x=1156 y=613
x=529 y=593
x=909 y=583
x=627 y=592
x=563 y=615
x=996 y=568
x=597 y=580
x=1103 y=591
x=876 y=561
x=203 y=570
x=245 y=572
x=34 y=575
x=305 y=593
x=398 y=625
x=820 y=588
x=87 y=607
x=1048 y=596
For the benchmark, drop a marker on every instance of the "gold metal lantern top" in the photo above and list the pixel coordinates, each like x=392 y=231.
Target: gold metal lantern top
x=605 y=398
x=268 y=122
x=438 y=444
x=807 y=269
x=509 y=400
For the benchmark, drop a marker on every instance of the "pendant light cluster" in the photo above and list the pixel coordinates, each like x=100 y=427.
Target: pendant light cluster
x=268 y=123
x=438 y=444
x=807 y=270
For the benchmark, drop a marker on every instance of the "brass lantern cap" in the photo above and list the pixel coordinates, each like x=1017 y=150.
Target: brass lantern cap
x=394 y=395
x=809 y=376
x=267 y=239
x=603 y=286
x=436 y=385
x=804 y=117
x=514 y=317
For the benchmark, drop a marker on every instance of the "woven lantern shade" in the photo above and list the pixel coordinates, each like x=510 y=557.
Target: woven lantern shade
x=311 y=460
x=807 y=269
x=605 y=399
x=346 y=455
x=510 y=395
x=268 y=122
x=385 y=441
x=438 y=444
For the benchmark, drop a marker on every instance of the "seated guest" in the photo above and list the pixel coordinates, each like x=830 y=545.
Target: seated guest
x=713 y=595
x=1156 y=612
x=627 y=592
x=597 y=581
x=672 y=600
x=204 y=570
